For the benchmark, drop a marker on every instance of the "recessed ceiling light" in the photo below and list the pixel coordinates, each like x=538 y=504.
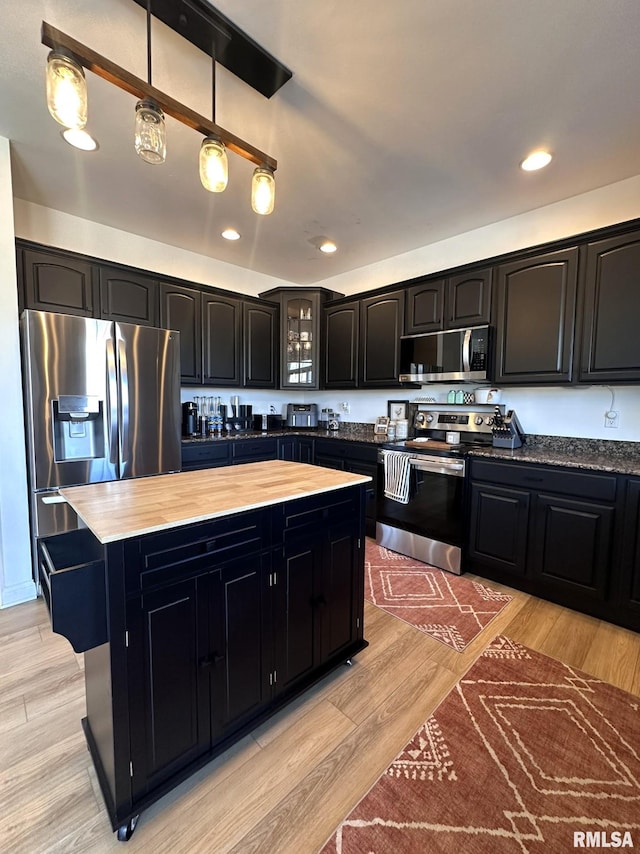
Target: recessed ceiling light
x=328 y=247
x=79 y=139
x=536 y=160
x=231 y=234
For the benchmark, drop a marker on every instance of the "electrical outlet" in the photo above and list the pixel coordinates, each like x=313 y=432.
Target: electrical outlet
x=611 y=418
x=345 y=406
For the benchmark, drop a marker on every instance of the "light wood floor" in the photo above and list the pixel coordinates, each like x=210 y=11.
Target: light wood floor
x=282 y=789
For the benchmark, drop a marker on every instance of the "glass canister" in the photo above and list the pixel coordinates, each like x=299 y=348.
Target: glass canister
x=402 y=428
x=451 y=397
x=459 y=396
x=391 y=431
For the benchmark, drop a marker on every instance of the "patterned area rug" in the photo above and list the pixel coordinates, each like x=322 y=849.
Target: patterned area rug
x=450 y=608
x=522 y=754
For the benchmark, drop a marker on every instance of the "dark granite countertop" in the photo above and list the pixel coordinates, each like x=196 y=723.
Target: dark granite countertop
x=588 y=454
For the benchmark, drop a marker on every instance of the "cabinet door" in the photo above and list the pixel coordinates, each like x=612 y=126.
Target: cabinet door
x=425 y=307
x=128 y=297
x=340 y=345
x=169 y=689
x=535 y=319
x=498 y=529
x=296 y=601
x=468 y=299
x=221 y=340
x=241 y=651
x=299 y=334
x=571 y=547
x=611 y=317
x=305 y=450
x=54 y=282
x=381 y=325
x=260 y=345
x=338 y=603
x=630 y=577
x=180 y=308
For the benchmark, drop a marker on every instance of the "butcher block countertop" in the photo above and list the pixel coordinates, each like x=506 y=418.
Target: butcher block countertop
x=121 y=509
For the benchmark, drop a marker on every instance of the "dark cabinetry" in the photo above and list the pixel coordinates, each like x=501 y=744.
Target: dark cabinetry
x=546 y=530
x=456 y=302
x=629 y=590
x=224 y=621
x=128 y=297
x=53 y=281
x=260 y=328
x=340 y=345
x=221 y=340
x=181 y=309
x=356 y=458
x=300 y=316
x=362 y=342
x=611 y=314
x=535 y=318
x=381 y=325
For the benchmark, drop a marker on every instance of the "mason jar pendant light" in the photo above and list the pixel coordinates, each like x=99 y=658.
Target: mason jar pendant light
x=150 y=132
x=214 y=165
x=263 y=190
x=150 y=138
x=66 y=90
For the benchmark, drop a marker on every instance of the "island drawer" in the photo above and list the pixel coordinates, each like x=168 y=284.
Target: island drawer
x=156 y=558
x=72 y=578
x=547 y=479
x=310 y=514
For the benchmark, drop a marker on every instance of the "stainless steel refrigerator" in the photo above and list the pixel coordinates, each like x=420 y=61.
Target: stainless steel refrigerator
x=102 y=402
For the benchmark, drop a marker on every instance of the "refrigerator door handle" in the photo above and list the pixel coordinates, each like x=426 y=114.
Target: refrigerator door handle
x=112 y=401
x=124 y=399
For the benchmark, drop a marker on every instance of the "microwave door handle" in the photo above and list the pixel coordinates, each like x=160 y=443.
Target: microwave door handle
x=466 y=350
x=112 y=402
x=124 y=399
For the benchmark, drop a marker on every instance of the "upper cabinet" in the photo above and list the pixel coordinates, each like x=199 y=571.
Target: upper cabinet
x=425 y=307
x=340 y=345
x=181 y=309
x=611 y=313
x=54 y=281
x=361 y=343
x=454 y=303
x=535 y=318
x=468 y=299
x=128 y=297
x=381 y=325
x=299 y=337
x=221 y=340
x=260 y=332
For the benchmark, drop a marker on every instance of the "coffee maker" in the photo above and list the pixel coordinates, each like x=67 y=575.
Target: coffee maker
x=189 y=419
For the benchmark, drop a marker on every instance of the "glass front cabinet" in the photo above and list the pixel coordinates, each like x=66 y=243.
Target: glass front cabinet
x=300 y=334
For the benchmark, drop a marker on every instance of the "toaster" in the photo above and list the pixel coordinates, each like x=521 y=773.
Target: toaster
x=302 y=415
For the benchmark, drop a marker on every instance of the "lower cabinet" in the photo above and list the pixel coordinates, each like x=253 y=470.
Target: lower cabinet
x=549 y=531
x=213 y=627
x=629 y=588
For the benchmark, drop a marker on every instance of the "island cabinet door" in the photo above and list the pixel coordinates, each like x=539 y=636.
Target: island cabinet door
x=168 y=686
x=239 y=658
x=295 y=604
x=340 y=586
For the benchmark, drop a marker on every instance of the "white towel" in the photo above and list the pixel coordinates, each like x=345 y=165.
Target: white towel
x=397 y=468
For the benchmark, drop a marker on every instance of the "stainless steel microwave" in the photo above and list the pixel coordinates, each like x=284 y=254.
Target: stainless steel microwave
x=457 y=354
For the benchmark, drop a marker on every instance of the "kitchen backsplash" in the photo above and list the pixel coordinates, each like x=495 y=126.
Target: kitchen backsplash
x=544 y=411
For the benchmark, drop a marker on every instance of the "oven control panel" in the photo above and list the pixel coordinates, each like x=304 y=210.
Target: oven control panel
x=464 y=422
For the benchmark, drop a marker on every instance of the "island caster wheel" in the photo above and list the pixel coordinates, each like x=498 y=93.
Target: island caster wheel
x=348 y=663
x=125 y=832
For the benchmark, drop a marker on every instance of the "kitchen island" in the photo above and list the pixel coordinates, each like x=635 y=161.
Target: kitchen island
x=204 y=602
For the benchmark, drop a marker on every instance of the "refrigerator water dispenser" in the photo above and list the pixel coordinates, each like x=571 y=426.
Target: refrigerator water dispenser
x=78 y=432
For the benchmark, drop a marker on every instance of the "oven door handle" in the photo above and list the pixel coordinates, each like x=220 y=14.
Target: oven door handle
x=454 y=469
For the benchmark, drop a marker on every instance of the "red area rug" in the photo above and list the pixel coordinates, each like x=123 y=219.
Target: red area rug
x=521 y=755
x=450 y=608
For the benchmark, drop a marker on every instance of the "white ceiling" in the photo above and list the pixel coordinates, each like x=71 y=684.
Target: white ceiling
x=404 y=123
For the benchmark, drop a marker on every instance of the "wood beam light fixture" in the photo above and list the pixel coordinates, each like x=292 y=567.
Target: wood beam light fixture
x=67 y=102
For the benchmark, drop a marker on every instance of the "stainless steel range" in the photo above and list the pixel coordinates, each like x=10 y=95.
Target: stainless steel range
x=421 y=484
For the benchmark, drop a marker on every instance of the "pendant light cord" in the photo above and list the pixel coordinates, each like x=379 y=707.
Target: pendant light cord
x=149 y=42
x=213 y=81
